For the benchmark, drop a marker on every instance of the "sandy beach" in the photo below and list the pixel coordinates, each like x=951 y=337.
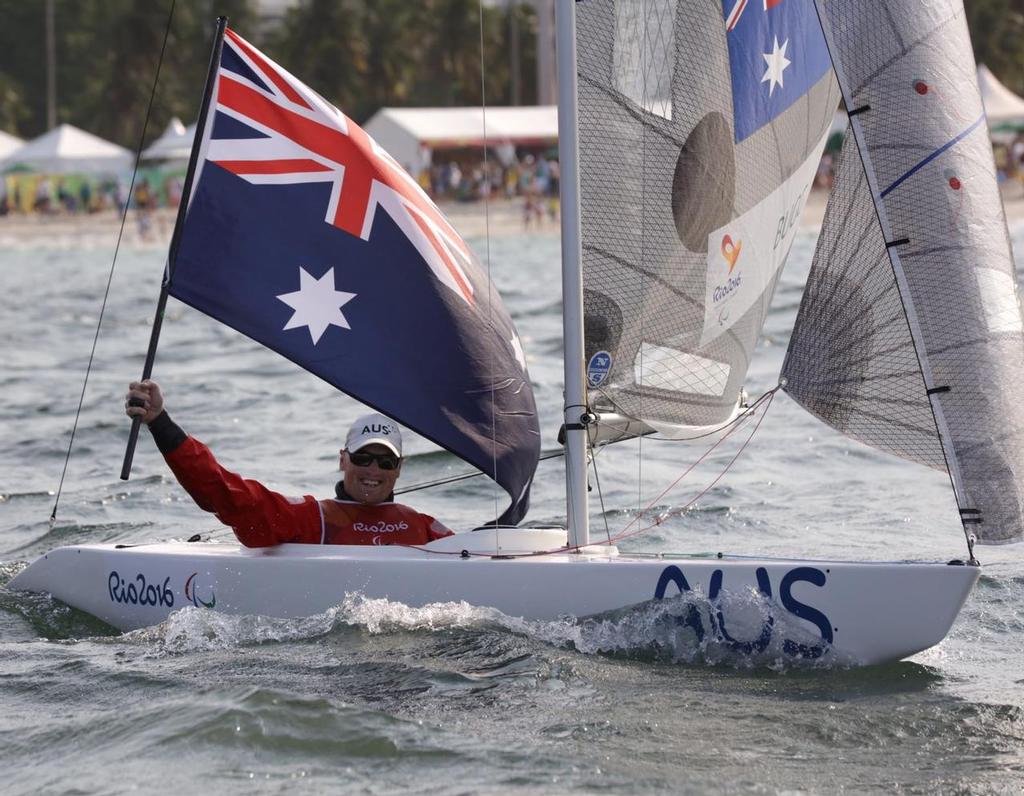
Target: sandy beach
x=500 y=217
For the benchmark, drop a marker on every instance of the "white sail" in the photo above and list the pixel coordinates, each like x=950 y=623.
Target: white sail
x=700 y=133
x=910 y=335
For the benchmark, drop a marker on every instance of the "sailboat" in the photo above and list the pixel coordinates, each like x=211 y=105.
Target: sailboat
x=689 y=138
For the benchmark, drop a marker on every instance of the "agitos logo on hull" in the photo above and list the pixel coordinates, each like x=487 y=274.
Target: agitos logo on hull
x=195 y=599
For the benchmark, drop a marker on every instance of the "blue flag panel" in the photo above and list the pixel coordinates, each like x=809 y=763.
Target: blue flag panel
x=776 y=53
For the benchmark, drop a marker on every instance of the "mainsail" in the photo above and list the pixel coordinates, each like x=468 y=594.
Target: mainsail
x=305 y=235
x=701 y=127
x=909 y=336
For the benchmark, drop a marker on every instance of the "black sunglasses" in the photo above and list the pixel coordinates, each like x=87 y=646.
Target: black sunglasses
x=385 y=461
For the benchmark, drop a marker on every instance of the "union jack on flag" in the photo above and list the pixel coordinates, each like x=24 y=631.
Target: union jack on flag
x=306 y=139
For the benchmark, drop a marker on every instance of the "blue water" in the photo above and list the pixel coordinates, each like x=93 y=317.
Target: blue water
x=377 y=697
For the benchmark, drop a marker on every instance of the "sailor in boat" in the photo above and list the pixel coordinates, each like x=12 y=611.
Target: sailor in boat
x=363 y=510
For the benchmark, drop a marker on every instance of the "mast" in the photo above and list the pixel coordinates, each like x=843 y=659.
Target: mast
x=575 y=405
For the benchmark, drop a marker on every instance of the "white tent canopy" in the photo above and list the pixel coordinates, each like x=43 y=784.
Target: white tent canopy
x=8 y=143
x=410 y=135
x=174 y=144
x=68 y=150
x=1001 y=104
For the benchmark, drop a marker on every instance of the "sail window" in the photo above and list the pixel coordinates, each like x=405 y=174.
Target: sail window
x=645 y=53
x=999 y=300
x=662 y=368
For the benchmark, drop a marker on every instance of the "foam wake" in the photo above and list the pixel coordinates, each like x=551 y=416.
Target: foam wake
x=686 y=628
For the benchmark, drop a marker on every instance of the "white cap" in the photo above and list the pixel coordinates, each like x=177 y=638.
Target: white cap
x=374 y=429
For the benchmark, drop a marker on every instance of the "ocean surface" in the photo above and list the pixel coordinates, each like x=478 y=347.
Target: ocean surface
x=378 y=697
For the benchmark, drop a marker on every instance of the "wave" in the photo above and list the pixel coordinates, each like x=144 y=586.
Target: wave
x=684 y=629
x=61 y=534
x=46 y=617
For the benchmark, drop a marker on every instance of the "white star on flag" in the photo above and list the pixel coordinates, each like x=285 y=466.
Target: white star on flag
x=517 y=349
x=317 y=304
x=777 y=63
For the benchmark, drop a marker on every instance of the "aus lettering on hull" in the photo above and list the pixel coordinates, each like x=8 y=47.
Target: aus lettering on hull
x=693 y=619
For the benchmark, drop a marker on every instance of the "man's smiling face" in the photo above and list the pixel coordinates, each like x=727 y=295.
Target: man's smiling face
x=370 y=483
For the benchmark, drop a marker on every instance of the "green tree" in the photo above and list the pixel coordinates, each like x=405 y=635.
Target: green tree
x=997 y=33
x=13 y=108
x=366 y=54
x=107 y=55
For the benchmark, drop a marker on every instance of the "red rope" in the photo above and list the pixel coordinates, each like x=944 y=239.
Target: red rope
x=625 y=533
x=765 y=399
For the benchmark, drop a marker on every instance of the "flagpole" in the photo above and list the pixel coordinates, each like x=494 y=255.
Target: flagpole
x=172 y=252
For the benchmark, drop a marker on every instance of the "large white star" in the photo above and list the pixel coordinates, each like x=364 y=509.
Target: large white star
x=777 y=63
x=517 y=350
x=317 y=304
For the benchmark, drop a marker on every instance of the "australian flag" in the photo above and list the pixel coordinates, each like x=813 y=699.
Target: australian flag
x=305 y=235
x=776 y=53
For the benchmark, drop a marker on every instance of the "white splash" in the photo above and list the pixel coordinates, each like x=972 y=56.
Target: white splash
x=687 y=628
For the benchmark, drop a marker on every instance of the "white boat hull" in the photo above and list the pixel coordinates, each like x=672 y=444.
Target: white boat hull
x=857 y=613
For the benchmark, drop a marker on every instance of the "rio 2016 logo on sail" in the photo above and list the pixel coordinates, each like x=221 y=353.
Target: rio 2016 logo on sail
x=731 y=254
x=137 y=591
x=692 y=617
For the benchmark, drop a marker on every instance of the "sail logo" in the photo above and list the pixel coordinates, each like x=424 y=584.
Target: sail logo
x=731 y=251
x=723 y=291
x=195 y=599
x=786 y=226
x=598 y=368
x=753 y=246
x=719 y=630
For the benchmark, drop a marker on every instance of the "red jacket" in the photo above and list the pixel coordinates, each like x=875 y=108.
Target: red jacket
x=261 y=517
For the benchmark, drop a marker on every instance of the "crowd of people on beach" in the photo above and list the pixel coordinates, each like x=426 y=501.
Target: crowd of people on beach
x=531 y=178
x=50 y=195
x=1009 y=159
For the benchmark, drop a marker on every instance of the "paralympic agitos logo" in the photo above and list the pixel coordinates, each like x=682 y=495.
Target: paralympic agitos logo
x=195 y=599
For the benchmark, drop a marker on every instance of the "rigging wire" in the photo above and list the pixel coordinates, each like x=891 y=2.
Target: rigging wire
x=733 y=421
x=766 y=399
x=464 y=476
x=113 y=263
x=600 y=497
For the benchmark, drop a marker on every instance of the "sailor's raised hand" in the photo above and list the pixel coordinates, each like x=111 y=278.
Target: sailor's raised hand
x=144 y=400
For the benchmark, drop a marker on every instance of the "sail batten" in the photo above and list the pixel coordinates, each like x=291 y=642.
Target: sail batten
x=914 y=254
